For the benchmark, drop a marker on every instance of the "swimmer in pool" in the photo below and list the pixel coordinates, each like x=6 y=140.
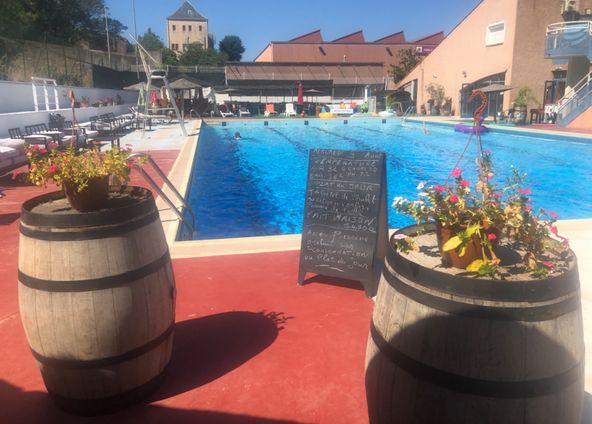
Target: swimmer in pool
x=237 y=136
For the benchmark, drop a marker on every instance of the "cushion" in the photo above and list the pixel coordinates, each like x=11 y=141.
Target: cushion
x=17 y=144
x=8 y=153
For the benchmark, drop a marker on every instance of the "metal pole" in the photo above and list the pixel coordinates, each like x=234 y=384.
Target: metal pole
x=107 y=31
x=136 y=37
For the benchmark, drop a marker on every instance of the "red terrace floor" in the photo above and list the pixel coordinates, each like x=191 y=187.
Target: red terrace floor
x=251 y=346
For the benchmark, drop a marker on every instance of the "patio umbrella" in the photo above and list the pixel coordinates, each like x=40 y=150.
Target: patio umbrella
x=184 y=83
x=135 y=87
x=313 y=91
x=493 y=88
x=229 y=91
x=300 y=99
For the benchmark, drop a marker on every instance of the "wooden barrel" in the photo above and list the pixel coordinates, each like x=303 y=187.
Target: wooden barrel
x=97 y=298
x=447 y=348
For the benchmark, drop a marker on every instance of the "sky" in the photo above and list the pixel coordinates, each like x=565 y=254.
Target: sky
x=258 y=22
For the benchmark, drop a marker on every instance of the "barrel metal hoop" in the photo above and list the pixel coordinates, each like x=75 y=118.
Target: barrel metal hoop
x=104 y=362
x=473 y=386
x=535 y=290
x=139 y=203
x=93 y=284
x=527 y=314
x=90 y=233
x=107 y=404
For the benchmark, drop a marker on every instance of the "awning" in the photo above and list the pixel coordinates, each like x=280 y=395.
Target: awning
x=493 y=88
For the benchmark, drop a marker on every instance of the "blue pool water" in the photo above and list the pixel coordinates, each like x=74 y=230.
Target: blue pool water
x=255 y=186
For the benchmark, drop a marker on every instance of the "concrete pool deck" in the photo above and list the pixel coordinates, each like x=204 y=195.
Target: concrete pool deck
x=306 y=367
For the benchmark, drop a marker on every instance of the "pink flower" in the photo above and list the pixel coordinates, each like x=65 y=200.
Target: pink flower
x=553 y=229
x=486 y=151
x=400 y=236
x=552 y=214
x=36 y=147
x=456 y=173
x=491 y=236
x=464 y=183
x=454 y=198
x=52 y=169
x=43 y=151
x=525 y=191
x=548 y=264
x=439 y=189
x=527 y=208
x=489 y=175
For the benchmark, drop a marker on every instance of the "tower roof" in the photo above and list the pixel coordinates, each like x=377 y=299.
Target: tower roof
x=186 y=13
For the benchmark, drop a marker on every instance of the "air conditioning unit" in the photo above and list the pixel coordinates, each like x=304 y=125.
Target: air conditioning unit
x=570 y=5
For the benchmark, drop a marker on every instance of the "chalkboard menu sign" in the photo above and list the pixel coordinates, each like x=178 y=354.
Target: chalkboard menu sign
x=345 y=222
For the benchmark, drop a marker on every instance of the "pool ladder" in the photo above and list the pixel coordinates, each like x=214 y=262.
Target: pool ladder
x=407 y=113
x=177 y=210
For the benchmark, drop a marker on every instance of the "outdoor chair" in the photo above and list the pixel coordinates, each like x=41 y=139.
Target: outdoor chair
x=37 y=134
x=243 y=111
x=290 y=111
x=225 y=112
x=269 y=110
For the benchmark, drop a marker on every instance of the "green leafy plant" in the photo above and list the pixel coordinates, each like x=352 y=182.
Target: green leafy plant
x=487 y=213
x=77 y=167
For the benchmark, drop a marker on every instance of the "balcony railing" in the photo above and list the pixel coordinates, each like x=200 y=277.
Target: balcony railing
x=569 y=39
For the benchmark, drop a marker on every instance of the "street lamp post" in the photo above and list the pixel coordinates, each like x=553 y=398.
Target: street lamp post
x=107 y=31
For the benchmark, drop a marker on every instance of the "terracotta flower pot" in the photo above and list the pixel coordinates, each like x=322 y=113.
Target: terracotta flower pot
x=92 y=198
x=473 y=250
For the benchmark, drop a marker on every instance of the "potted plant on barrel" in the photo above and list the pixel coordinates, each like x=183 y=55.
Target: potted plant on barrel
x=478 y=309
x=83 y=175
x=521 y=104
x=471 y=220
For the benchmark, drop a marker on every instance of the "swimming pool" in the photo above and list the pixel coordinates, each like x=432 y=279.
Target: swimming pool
x=255 y=186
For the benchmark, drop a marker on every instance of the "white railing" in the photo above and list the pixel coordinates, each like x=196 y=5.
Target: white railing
x=577 y=90
x=565 y=39
x=575 y=26
x=576 y=99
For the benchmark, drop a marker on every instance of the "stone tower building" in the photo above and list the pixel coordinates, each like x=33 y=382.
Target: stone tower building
x=186 y=26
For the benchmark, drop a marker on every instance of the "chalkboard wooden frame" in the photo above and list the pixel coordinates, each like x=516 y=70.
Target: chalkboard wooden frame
x=345 y=231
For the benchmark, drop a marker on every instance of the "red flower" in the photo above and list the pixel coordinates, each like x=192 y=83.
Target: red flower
x=439 y=189
x=456 y=173
x=525 y=191
x=491 y=236
x=548 y=264
x=486 y=151
x=52 y=169
x=36 y=147
x=497 y=195
x=464 y=183
x=43 y=151
x=553 y=229
x=453 y=199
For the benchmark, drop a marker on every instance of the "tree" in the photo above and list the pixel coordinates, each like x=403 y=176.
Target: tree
x=195 y=54
x=408 y=59
x=211 y=41
x=150 y=41
x=169 y=57
x=233 y=47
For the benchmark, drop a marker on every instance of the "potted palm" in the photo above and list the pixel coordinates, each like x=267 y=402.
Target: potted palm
x=521 y=102
x=437 y=96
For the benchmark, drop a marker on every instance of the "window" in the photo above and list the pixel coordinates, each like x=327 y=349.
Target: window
x=188 y=27
x=495 y=34
x=183 y=27
x=200 y=28
x=174 y=47
x=174 y=27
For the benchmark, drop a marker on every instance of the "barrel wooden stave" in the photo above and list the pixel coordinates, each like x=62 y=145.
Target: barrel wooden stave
x=483 y=349
x=126 y=326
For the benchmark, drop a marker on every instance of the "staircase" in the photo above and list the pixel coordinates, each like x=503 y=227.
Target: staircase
x=576 y=102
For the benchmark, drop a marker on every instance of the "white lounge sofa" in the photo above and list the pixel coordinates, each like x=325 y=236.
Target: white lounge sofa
x=12 y=154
